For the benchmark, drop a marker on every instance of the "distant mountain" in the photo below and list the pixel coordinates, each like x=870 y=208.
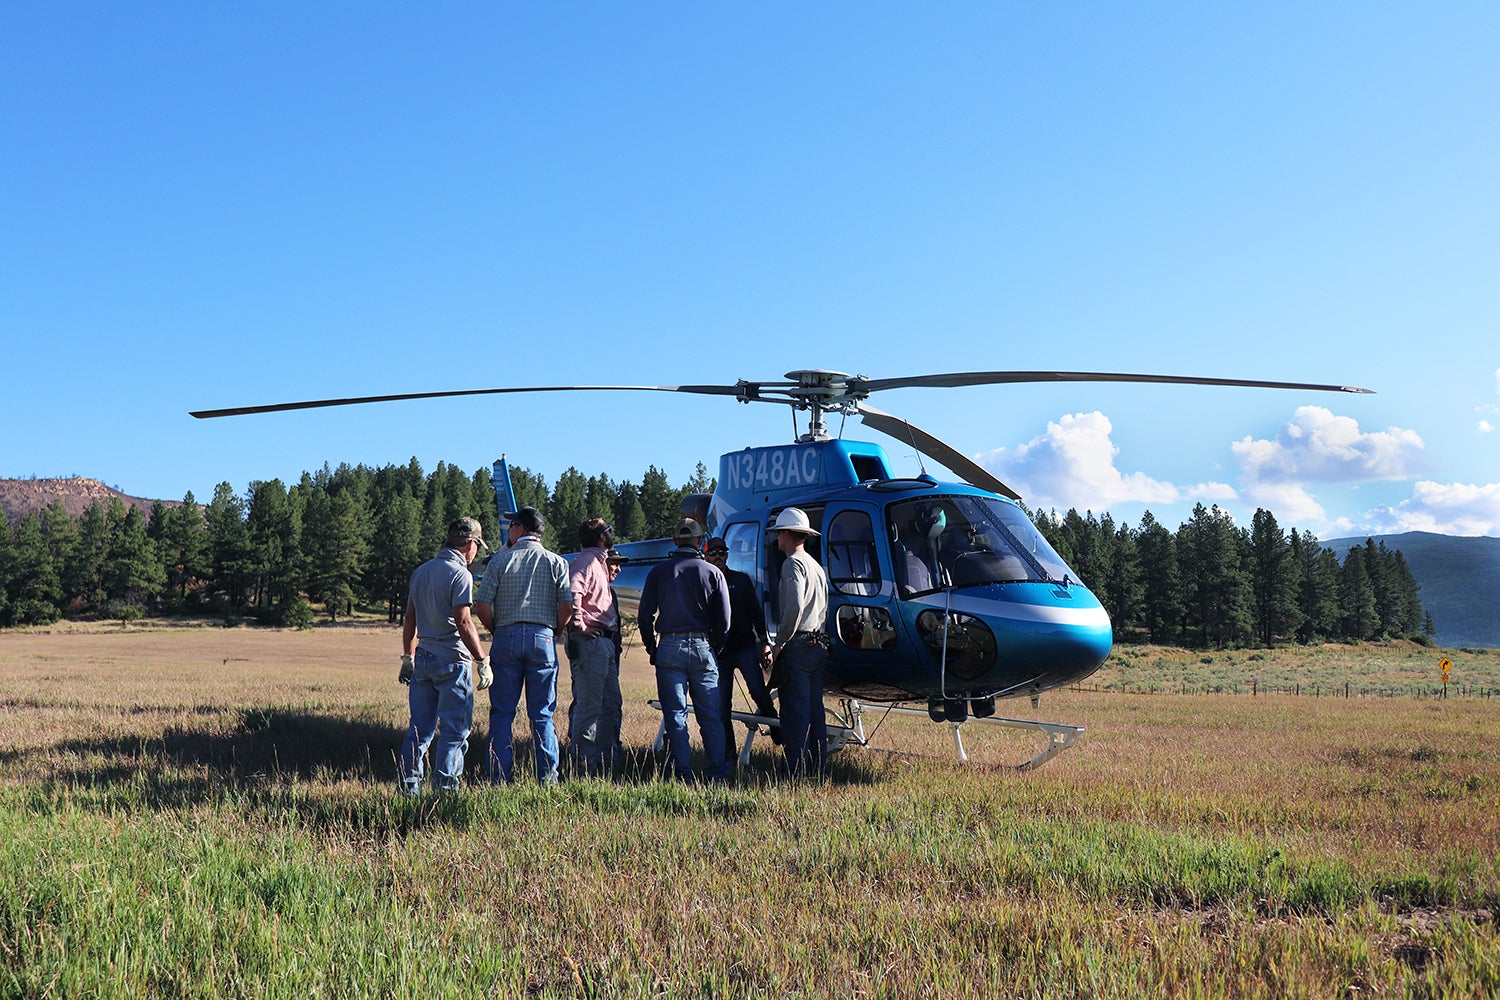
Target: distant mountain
x=19 y=497
x=1459 y=577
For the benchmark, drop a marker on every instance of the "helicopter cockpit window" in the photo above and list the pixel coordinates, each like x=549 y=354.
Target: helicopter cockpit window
x=852 y=564
x=967 y=541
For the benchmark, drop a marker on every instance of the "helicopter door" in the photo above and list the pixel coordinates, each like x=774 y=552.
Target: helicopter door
x=858 y=588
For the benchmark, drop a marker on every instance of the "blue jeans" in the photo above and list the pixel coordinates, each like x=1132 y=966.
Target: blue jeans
x=747 y=662
x=441 y=697
x=804 y=728
x=686 y=665
x=522 y=655
x=594 y=716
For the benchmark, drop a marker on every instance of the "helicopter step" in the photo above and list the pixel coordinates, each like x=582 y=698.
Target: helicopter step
x=847 y=726
x=839 y=735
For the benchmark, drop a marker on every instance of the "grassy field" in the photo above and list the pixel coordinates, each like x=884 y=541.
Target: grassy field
x=196 y=812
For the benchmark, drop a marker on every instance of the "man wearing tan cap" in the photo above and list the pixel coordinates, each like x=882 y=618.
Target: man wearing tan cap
x=438 y=642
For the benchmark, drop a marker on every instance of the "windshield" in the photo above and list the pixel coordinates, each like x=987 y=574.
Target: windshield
x=967 y=541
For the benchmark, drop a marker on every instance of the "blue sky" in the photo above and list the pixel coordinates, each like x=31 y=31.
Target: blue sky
x=212 y=205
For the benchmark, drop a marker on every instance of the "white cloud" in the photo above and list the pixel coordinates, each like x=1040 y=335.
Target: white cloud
x=1072 y=464
x=1485 y=426
x=1316 y=446
x=1445 y=508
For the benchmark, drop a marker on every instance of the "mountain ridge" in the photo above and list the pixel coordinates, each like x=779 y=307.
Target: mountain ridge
x=19 y=497
x=1459 y=577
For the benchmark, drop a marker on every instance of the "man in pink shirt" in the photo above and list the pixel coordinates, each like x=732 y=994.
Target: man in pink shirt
x=593 y=654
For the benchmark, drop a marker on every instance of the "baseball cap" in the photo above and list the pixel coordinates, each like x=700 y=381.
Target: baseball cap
x=688 y=528
x=716 y=544
x=464 y=528
x=614 y=556
x=529 y=518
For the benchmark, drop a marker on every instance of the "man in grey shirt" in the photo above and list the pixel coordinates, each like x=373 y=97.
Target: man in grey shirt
x=438 y=641
x=802 y=641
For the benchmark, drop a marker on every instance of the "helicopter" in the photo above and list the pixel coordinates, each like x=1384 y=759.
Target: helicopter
x=944 y=597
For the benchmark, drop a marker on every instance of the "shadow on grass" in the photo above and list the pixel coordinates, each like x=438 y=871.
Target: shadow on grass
x=263 y=743
x=264 y=753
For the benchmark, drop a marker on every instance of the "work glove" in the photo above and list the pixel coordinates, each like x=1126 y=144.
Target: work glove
x=407 y=664
x=486 y=675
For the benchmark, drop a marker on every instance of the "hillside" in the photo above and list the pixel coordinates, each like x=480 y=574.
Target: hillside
x=1460 y=581
x=19 y=497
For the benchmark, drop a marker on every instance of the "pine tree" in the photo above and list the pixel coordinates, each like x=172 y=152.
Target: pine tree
x=133 y=573
x=701 y=482
x=1125 y=587
x=7 y=568
x=482 y=488
x=229 y=553
x=83 y=575
x=1408 y=600
x=1161 y=596
x=1358 y=617
x=630 y=518
x=273 y=520
x=1274 y=579
x=568 y=509
x=660 y=504
x=395 y=551
x=182 y=543
x=336 y=548
x=36 y=583
x=1215 y=584
x=1317 y=587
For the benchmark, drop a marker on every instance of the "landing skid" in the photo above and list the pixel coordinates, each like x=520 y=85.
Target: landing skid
x=1059 y=736
x=847 y=726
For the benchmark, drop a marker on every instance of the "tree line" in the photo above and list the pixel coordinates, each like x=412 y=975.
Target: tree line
x=336 y=538
x=1213 y=584
x=352 y=535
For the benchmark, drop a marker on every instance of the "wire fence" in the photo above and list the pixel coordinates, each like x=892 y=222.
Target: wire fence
x=1348 y=689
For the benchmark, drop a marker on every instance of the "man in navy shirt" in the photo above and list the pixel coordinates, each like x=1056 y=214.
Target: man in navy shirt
x=685 y=602
x=743 y=647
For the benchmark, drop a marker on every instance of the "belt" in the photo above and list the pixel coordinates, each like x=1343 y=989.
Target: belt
x=537 y=624
x=689 y=635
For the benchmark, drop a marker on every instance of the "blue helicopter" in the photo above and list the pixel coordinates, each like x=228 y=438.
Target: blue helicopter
x=943 y=595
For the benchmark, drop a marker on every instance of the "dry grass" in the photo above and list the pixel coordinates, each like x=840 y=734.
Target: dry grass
x=1190 y=845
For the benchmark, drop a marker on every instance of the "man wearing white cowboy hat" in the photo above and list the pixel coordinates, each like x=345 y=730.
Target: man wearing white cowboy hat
x=801 y=638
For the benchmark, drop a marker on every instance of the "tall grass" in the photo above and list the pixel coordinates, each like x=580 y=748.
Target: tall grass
x=170 y=827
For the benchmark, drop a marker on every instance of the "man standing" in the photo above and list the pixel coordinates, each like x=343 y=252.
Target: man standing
x=593 y=636
x=524 y=600
x=438 y=640
x=744 y=647
x=685 y=600
x=802 y=639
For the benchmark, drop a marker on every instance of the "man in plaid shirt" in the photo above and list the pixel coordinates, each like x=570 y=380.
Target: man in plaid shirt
x=524 y=600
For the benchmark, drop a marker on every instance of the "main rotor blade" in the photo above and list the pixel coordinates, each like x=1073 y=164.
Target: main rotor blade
x=903 y=430
x=235 y=411
x=997 y=378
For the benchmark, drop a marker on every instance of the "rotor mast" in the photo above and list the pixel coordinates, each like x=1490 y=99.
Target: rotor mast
x=820 y=391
